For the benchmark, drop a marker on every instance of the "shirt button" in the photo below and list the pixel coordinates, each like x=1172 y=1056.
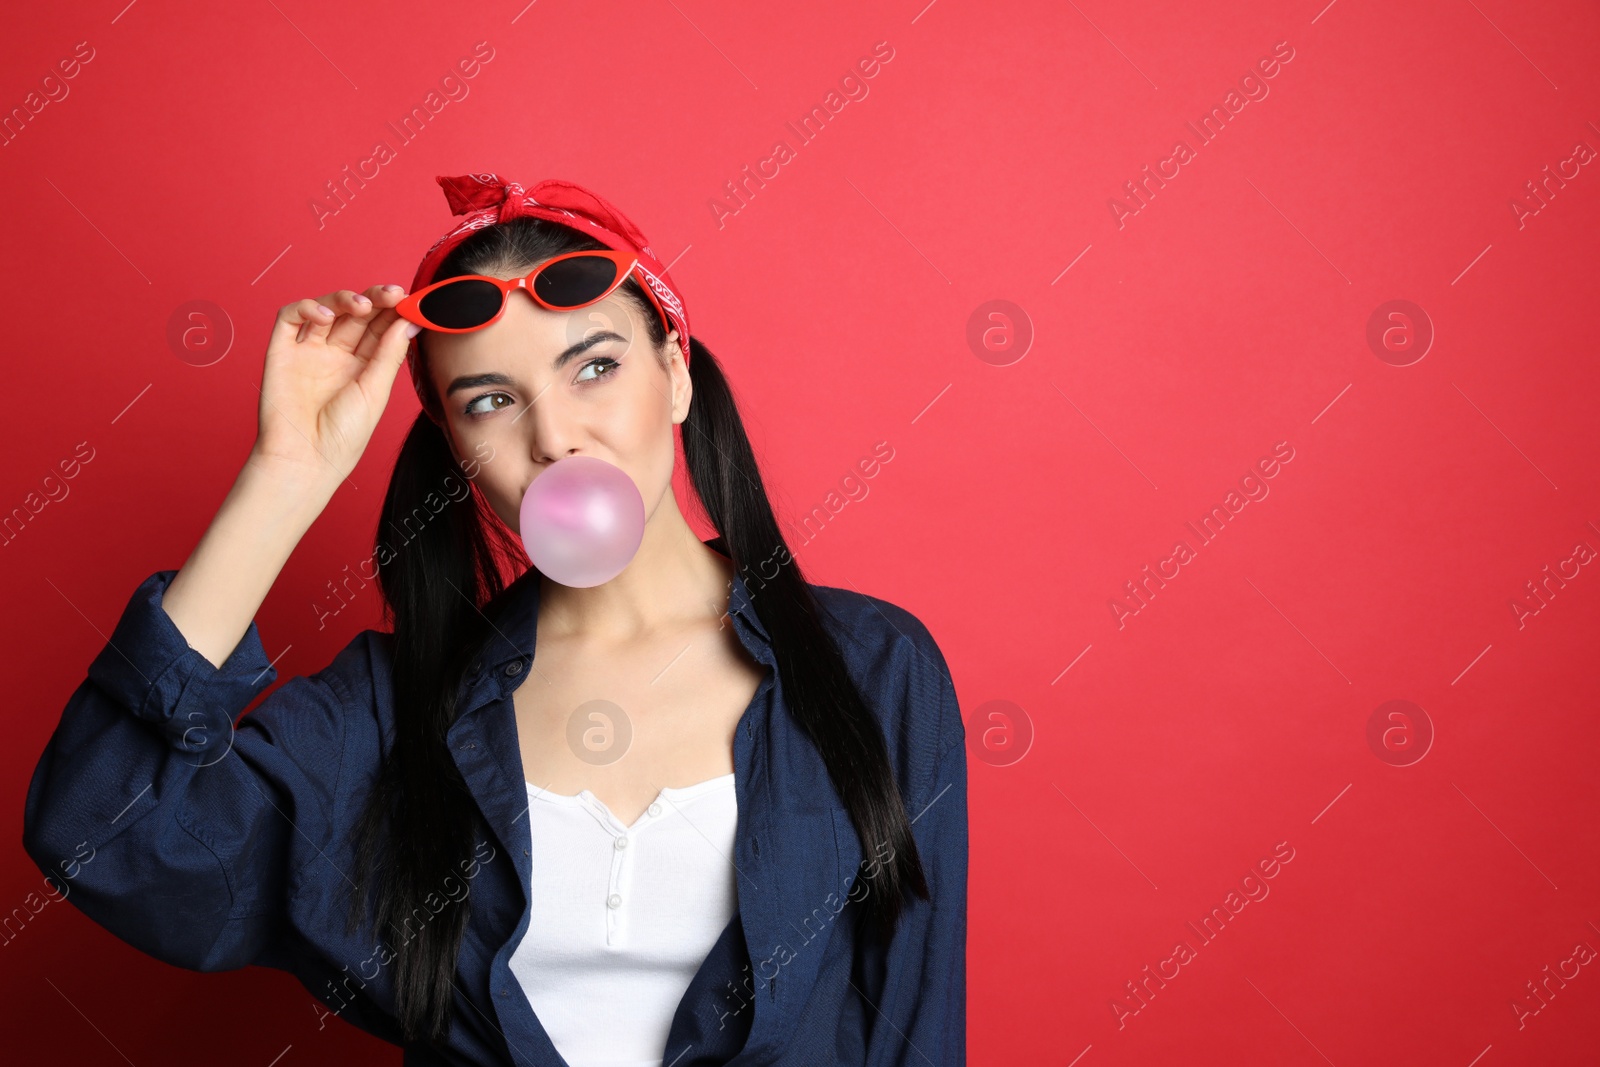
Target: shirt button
x=514 y=668
x=613 y=901
x=620 y=843
x=655 y=809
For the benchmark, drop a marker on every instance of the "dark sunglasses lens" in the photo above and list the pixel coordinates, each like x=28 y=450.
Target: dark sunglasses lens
x=574 y=282
x=461 y=305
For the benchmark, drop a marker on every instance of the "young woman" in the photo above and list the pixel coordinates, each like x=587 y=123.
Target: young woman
x=703 y=813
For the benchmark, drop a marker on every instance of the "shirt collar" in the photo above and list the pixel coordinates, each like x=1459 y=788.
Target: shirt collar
x=509 y=648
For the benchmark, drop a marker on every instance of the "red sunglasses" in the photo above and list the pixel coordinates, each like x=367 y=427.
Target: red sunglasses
x=566 y=282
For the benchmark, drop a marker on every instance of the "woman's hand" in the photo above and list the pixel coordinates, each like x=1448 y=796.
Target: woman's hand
x=329 y=368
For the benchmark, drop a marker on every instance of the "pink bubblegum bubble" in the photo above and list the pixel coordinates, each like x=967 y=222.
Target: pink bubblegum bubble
x=582 y=521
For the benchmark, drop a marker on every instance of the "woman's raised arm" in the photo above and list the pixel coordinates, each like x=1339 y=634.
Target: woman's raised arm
x=177 y=831
x=328 y=372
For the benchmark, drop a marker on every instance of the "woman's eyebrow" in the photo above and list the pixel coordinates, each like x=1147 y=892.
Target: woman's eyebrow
x=588 y=342
x=473 y=381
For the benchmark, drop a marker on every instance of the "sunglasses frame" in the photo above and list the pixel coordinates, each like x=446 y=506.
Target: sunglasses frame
x=410 y=308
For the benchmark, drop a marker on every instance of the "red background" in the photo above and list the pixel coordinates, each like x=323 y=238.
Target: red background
x=1230 y=313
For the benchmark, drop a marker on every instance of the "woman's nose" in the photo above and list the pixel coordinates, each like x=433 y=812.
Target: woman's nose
x=552 y=432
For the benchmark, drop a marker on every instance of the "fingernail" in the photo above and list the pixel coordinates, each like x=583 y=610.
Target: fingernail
x=362 y=299
x=391 y=288
x=325 y=311
x=412 y=329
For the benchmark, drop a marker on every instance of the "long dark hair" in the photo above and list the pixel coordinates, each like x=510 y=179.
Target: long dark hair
x=418 y=825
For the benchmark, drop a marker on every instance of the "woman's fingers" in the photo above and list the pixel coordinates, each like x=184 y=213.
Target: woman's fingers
x=352 y=310
x=322 y=323
x=384 y=298
x=364 y=325
x=388 y=353
x=351 y=313
x=344 y=318
x=296 y=319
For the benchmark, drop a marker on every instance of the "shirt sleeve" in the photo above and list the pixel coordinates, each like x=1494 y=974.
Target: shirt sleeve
x=923 y=1012
x=179 y=832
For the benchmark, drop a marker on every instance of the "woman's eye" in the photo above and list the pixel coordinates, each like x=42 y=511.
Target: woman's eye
x=474 y=407
x=610 y=367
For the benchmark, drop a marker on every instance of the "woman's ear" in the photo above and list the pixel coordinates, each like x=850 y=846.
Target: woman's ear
x=678 y=372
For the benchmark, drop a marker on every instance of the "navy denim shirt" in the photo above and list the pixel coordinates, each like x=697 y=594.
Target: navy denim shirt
x=212 y=844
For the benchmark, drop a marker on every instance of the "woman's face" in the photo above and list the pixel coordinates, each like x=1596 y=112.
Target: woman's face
x=540 y=385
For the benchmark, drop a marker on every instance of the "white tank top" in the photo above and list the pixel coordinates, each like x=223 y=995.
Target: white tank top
x=623 y=916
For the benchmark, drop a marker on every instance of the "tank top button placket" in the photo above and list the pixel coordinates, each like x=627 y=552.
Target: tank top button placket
x=615 y=927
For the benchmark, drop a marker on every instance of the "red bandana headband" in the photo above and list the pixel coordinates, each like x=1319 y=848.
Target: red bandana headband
x=485 y=200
